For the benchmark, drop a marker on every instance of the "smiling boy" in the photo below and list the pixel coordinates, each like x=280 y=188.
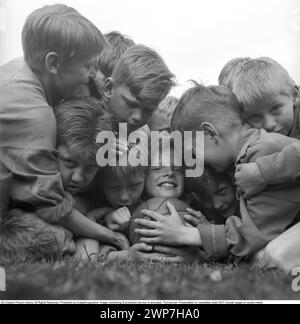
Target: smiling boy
x=215 y=111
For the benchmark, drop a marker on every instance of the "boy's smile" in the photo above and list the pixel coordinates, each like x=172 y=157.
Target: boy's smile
x=165 y=182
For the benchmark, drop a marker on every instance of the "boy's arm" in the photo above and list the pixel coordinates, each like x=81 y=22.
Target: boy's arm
x=282 y=167
x=28 y=152
x=278 y=168
x=263 y=218
x=85 y=227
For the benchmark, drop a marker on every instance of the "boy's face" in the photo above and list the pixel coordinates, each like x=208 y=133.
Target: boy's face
x=123 y=192
x=127 y=109
x=275 y=116
x=218 y=153
x=71 y=75
x=76 y=174
x=166 y=182
x=223 y=200
x=65 y=240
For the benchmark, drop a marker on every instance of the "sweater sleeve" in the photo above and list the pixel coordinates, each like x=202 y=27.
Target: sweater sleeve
x=27 y=148
x=263 y=217
x=282 y=167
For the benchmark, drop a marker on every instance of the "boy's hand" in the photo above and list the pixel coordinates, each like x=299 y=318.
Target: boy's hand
x=98 y=214
x=195 y=218
x=249 y=180
x=144 y=252
x=120 y=241
x=118 y=220
x=165 y=230
x=120 y=147
x=186 y=255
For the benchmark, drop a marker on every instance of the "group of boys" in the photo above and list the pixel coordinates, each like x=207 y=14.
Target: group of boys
x=74 y=83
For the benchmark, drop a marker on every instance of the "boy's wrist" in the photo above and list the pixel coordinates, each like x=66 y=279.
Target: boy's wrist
x=191 y=237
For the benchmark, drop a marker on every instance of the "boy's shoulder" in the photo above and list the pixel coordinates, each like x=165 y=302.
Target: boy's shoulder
x=256 y=143
x=19 y=84
x=24 y=109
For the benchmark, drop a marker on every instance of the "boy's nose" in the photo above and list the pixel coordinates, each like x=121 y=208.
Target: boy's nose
x=136 y=117
x=270 y=124
x=93 y=74
x=77 y=176
x=217 y=203
x=169 y=172
x=124 y=199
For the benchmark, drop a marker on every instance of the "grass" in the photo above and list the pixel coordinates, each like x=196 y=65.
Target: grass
x=144 y=281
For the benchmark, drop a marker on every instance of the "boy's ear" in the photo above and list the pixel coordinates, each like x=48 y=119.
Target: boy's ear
x=52 y=63
x=108 y=86
x=210 y=131
x=296 y=92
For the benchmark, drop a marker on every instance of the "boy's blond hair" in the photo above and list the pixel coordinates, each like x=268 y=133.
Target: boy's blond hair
x=24 y=237
x=119 y=45
x=63 y=30
x=261 y=80
x=145 y=73
x=231 y=71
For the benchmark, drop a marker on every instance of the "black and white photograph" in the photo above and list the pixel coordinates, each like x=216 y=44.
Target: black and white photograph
x=149 y=153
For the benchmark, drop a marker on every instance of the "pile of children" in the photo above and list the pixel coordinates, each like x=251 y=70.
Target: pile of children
x=74 y=83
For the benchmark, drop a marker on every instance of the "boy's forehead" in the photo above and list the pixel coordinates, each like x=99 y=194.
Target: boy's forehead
x=87 y=158
x=127 y=95
x=266 y=103
x=122 y=179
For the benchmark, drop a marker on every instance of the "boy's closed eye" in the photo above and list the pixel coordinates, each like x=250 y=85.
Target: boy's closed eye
x=136 y=185
x=69 y=163
x=276 y=110
x=255 y=118
x=222 y=191
x=132 y=104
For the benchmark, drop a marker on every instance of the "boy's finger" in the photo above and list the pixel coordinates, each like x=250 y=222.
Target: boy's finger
x=172 y=209
x=153 y=215
x=146 y=223
x=191 y=220
x=173 y=260
x=147 y=233
x=143 y=247
x=194 y=213
x=151 y=240
x=238 y=168
x=114 y=227
x=167 y=250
